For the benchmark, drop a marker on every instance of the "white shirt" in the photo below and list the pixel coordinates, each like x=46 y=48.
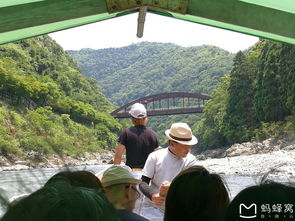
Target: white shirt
x=162 y=165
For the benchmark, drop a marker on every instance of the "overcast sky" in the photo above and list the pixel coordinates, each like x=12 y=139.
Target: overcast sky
x=121 y=31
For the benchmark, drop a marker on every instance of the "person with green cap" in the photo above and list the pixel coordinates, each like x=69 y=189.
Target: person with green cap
x=121 y=189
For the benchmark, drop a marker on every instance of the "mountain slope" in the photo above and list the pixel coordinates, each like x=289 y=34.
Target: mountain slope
x=47 y=105
x=138 y=70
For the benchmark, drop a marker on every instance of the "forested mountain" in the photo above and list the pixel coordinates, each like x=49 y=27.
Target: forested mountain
x=47 y=105
x=255 y=101
x=143 y=69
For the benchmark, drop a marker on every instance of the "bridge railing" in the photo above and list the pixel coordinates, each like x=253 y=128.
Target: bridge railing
x=167 y=104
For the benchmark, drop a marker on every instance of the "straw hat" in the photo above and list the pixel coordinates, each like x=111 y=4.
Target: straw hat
x=181 y=133
x=117 y=174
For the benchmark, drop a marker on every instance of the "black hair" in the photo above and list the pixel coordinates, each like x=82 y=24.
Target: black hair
x=61 y=201
x=194 y=195
x=81 y=178
x=262 y=201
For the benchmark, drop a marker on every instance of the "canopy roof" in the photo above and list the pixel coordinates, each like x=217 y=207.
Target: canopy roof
x=273 y=19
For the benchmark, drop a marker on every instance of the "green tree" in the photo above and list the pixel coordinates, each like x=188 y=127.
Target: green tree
x=240 y=118
x=210 y=128
x=275 y=87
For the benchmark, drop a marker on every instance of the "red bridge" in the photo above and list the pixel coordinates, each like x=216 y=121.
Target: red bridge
x=167 y=104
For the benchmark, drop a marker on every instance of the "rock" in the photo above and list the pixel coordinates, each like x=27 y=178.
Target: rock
x=15 y=167
x=201 y=157
x=290 y=147
x=20 y=162
x=250 y=148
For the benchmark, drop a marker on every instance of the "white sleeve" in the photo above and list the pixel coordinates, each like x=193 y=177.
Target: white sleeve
x=192 y=161
x=149 y=167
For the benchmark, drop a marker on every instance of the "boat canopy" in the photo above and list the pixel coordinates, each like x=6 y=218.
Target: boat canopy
x=272 y=19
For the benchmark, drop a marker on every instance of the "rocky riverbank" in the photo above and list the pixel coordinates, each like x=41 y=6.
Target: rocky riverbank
x=276 y=157
x=279 y=163
x=34 y=160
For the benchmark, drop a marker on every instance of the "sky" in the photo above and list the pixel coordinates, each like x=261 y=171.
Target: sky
x=119 y=32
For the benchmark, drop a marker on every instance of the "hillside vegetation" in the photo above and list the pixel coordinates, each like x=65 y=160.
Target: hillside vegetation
x=138 y=70
x=47 y=105
x=255 y=101
x=132 y=72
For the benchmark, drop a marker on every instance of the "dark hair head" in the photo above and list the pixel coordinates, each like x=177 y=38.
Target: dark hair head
x=62 y=202
x=81 y=178
x=195 y=194
x=265 y=197
x=139 y=121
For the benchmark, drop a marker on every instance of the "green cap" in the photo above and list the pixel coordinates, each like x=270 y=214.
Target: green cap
x=117 y=174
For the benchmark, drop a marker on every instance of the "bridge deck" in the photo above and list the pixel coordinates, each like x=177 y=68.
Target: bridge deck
x=164 y=112
x=167 y=104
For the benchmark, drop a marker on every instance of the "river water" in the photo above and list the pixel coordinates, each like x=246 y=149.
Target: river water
x=14 y=183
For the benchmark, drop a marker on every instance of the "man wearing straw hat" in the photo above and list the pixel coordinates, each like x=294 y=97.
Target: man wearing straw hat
x=163 y=165
x=120 y=189
x=139 y=140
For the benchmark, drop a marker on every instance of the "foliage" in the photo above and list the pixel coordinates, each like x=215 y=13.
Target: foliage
x=277 y=129
x=240 y=118
x=40 y=68
x=266 y=130
x=49 y=106
x=257 y=102
x=8 y=143
x=143 y=69
x=43 y=131
x=275 y=97
x=209 y=128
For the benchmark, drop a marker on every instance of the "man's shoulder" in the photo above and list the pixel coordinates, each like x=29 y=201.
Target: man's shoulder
x=136 y=128
x=189 y=155
x=150 y=129
x=130 y=130
x=125 y=130
x=158 y=154
x=190 y=158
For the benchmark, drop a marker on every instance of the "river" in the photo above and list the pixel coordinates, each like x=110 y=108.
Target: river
x=14 y=183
